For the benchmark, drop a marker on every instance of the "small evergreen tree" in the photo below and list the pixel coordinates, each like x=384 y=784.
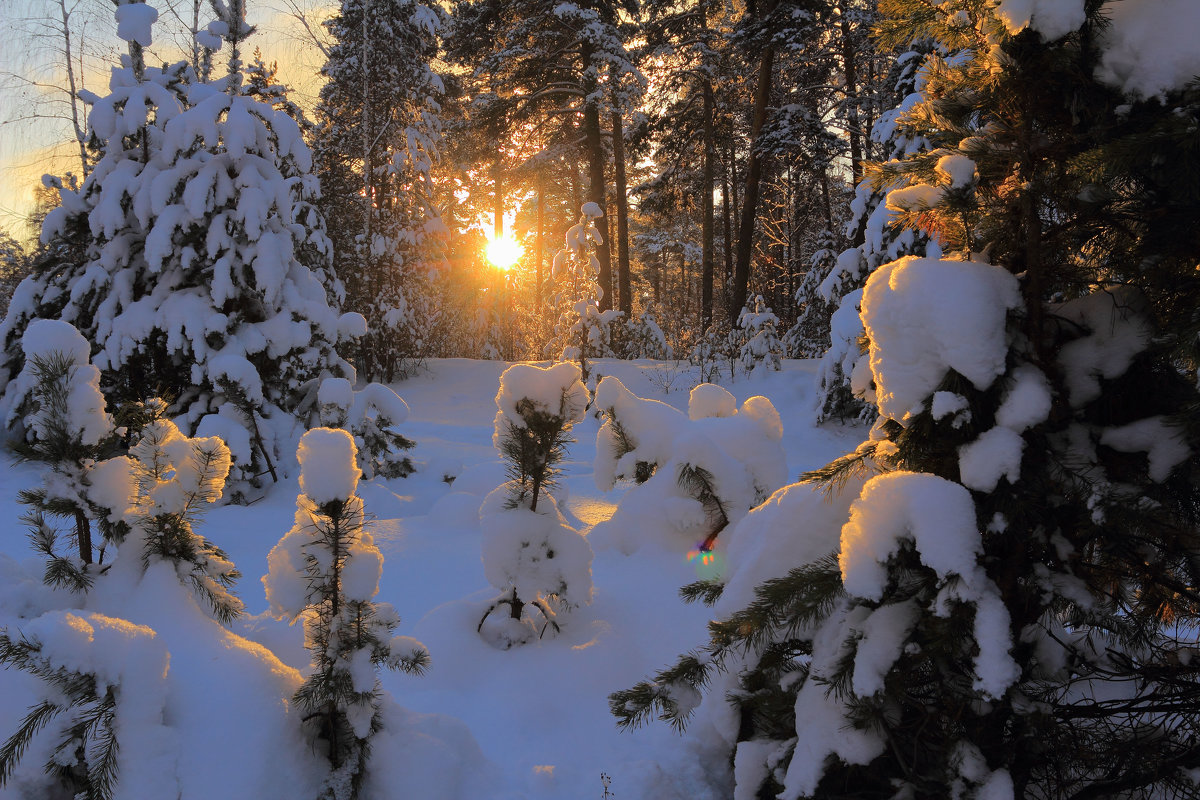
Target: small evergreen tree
x=529 y=552
x=582 y=331
x=66 y=411
x=370 y=415
x=96 y=674
x=326 y=569
x=760 y=349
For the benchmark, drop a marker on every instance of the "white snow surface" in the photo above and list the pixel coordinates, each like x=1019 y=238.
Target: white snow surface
x=1150 y=48
x=926 y=316
x=526 y=724
x=1053 y=19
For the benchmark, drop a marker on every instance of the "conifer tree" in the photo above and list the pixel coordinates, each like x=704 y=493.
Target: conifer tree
x=530 y=553
x=378 y=136
x=326 y=569
x=757 y=329
x=192 y=258
x=1004 y=604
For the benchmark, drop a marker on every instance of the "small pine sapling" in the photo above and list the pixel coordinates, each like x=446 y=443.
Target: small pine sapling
x=760 y=349
x=326 y=570
x=174 y=478
x=69 y=431
x=99 y=675
x=695 y=473
x=530 y=553
x=370 y=415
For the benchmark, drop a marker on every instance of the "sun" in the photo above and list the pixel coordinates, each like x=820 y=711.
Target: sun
x=503 y=252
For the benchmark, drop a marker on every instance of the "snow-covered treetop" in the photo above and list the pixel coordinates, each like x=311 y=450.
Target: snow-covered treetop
x=555 y=390
x=328 y=467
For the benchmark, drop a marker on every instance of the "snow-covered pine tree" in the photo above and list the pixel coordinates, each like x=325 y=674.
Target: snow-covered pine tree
x=326 y=569
x=192 y=257
x=837 y=294
x=760 y=349
x=370 y=415
x=66 y=412
x=530 y=553
x=378 y=136
x=100 y=677
x=582 y=331
x=1006 y=602
x=695 y=473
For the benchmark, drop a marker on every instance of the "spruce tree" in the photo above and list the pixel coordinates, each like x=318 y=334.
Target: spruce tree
x=1006 y=602
x=192 y=257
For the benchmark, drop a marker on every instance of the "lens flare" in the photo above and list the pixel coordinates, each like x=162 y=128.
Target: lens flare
x=503 y=252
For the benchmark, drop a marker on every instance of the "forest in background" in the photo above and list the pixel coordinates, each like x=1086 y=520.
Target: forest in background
x=723 y=142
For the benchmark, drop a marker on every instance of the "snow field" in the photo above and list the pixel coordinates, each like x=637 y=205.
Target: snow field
x=531 y=723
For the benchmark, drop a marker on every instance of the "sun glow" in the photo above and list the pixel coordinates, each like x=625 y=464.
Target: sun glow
x=503 y=252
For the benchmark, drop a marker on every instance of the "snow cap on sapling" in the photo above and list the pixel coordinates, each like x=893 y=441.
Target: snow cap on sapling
x=328 y=466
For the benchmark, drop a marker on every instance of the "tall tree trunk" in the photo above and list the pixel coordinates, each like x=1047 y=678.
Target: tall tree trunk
x=596 y=194
x=539 y=246
x=727 y=219
x=497 y=190
x=754 y=170
x=624 y=288
x=850 y=70
x=706 y=227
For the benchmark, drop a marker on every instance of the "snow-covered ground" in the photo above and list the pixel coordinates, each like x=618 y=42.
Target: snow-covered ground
x=530 y=722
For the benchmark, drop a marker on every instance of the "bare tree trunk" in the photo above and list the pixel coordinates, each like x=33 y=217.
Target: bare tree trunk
x=596 y=193
x=539 y=246
x=80 y=135
x=850 y=70
x=706 y=227
x=754 y=170
x=624 y=289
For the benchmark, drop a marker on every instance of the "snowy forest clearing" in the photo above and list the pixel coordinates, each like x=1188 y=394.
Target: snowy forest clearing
x=529 y=722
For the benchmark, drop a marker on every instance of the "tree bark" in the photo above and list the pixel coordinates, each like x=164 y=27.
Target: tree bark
x=539 y=246
x=624 y=289
x=754 y=170
x=850 y=70
x=706 y=227
x=596 y=193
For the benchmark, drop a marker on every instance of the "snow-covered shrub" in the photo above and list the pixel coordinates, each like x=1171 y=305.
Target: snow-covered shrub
x=73 y=430
x=581 y=331
x=643 y=338
x=192 y=258
x=171 y=479
x=530 y=553
x=717 y=350
x=370 y=415
x=102 y=691
x=695 y=473
x=326 y=571
x=760 y=348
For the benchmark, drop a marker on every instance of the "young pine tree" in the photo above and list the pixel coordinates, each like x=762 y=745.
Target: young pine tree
x=530 y=553
x=66 y=412
x=326 y=569
x=1009 y=606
